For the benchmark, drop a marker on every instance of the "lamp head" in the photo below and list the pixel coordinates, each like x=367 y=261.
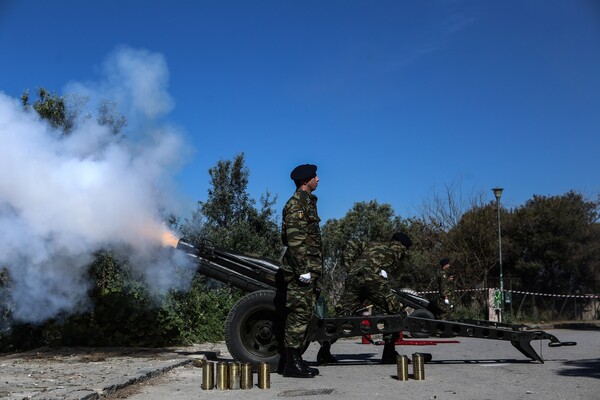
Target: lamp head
x=497 y=192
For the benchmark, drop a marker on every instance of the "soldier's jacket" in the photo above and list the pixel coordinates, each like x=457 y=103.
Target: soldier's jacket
x=302 y=235
x=363 y=264
x=376 y=256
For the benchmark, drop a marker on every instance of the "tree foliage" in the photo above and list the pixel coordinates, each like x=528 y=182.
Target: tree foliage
x=64 y=112
x=472 y=245
x=556 y=243
x=52 y=108
x=420 y=266
x=229 y=217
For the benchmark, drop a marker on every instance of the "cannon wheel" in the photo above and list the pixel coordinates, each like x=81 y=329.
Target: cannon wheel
x=251 y=329
x=421 y=313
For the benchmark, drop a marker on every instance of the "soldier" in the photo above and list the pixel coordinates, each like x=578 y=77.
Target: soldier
x=302 y=265
x=367 y=279
x=446 y=288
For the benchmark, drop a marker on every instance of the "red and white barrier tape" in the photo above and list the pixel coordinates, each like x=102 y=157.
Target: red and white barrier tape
x=575 y=296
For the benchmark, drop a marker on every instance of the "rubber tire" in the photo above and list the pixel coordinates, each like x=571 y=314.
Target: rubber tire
x=251 y=329
x=421 y=313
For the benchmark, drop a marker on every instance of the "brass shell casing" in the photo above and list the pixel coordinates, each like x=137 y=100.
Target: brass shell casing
x=222 y=376
x=264 y=375
x=246 y=376
x=418 y=366
x=208 y=375
x=402 y=367
x=234 y=375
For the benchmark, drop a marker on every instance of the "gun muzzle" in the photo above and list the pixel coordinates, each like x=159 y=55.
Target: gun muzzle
x=187 y=248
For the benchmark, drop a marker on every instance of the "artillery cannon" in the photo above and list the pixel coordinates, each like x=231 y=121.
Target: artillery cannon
x=253 y=328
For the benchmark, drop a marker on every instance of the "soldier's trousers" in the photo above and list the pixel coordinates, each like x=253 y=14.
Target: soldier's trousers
x=300 y=302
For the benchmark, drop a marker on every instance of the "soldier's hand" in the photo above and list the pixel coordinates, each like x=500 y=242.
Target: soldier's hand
x=383 y=274
x=305 y=278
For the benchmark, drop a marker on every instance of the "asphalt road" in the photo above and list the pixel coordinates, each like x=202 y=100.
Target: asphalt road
x=470 y=369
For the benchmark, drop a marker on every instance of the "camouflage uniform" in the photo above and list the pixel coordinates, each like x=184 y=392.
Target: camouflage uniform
x=446 y=289
x=364 y=265
x=302 y=236
x=365 y=282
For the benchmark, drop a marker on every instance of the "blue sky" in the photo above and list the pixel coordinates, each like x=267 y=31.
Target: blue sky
x=394 y=100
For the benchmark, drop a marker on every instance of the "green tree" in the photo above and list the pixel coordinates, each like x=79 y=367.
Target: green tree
x=420 y=267
x=556 y=243
x=51 y=107
x=472 y=246
x=63 y=113
x=229 y=217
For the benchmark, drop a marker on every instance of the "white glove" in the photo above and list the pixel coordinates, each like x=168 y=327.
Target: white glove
x=447 y=302
x=304 y=278
x=383 y=274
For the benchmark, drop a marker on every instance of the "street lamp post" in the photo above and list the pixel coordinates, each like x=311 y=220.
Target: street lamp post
x=498 y=194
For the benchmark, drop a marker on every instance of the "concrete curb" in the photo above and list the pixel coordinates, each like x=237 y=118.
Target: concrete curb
x=575 y=325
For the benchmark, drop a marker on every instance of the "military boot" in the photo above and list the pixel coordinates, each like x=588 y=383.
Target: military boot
x=294 y=365
x=311 y=370
x=324 y=355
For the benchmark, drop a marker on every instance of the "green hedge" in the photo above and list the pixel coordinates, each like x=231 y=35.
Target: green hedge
x=126 y=313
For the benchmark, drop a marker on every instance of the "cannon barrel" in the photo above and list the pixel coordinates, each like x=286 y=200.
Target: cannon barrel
x=242 y=271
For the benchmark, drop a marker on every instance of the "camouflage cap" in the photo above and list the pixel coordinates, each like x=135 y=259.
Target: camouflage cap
x=304 y=172
x=444 y=262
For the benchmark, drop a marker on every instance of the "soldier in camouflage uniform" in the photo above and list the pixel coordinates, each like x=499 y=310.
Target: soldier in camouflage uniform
x=302 y=265
x=446 y=289
x=367 y=279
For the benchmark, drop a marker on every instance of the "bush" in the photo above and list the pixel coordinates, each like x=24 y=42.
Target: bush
x=471 y=312
x=126 y=313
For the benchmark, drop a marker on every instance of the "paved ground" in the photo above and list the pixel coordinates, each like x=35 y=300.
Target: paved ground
x=471 y=369
x=86 y=373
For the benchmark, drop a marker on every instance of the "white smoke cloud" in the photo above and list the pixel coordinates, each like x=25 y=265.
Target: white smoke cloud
x=63 y=197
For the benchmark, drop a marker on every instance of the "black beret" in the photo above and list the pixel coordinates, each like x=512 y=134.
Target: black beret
x=402 y=238
x=444 y=261
x=304 y=172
